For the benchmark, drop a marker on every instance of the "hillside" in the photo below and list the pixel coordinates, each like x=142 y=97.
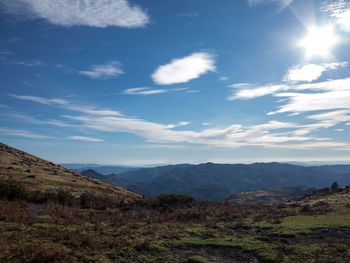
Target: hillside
x=231 y=178
x=276 y=195
x=37 y=174
x=171 y=228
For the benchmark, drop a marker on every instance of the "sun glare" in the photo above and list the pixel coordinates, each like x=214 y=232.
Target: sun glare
x=319 y=41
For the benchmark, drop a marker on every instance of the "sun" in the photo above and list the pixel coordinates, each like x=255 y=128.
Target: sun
x=319 y=41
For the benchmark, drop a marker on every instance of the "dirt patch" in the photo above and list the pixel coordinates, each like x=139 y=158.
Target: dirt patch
x=215 y=254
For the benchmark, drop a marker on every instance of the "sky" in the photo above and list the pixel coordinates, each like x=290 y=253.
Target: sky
x=153 y=82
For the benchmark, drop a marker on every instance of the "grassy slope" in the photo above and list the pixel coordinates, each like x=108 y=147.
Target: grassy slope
x=38 y=174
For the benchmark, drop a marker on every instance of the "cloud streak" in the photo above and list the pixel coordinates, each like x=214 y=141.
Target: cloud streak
x=144 y=91
x=94 y=13
x=283 y=3
x=22 y=133
x=84 y=139
x=182 y=70
x=65 y=104
x=109 y=70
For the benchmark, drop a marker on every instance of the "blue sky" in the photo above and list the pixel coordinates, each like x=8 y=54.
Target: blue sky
x=161 y=81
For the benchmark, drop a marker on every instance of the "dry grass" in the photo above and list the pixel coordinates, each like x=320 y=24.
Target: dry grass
x=38 y=174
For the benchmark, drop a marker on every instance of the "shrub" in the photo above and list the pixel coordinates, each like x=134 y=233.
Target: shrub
x=174 y=199
x=12 y=192
x=305 y=209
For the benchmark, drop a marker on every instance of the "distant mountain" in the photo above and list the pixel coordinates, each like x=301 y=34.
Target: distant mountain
x=102 y=169
x=276 y=195
x=219 y=180
x=148 y=174
x=111 y=178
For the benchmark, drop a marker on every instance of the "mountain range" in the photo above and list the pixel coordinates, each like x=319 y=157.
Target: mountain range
x=210 y=181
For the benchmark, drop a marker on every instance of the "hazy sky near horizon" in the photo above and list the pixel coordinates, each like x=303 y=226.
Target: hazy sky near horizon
x=160 y=81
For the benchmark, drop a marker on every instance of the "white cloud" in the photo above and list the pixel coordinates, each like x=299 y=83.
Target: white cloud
x=22 y=133
x=111 y=69
x=144 y=91
x=94 y=13
x=84 y=138
x=310 y=72
x=339 y=130
x=184 y=69
x=223 y=78
x=340 y=11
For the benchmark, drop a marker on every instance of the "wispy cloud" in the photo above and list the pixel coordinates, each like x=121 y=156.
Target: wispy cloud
x=5 y=53
x=144 y=91
x=109 y=70
x=188 y=15
x=84 y=138
x=340 y=11
x=250 y=91
x=22 y=133
x=149 y=91
x=304 y=102
x=65 y=104
x=33 y=120
x=33 y=63
x=283 y=3
x=94 y=13
x=270 y=134
x=310 y=72
x=184 y=69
